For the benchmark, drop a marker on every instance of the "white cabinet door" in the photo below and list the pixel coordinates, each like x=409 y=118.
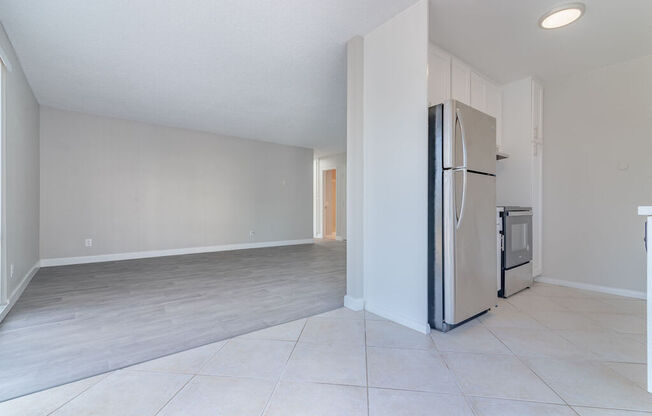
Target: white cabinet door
x=439 y=77
x=460 y=81
x=537 y=112
x=494 y=104
x=478 y=91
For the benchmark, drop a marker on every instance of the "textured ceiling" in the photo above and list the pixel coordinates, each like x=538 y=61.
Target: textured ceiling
x=275 y=70
x=502 y=39
x=271 y=70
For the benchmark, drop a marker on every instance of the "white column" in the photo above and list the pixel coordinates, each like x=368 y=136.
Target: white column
x=395 y=172
x=647 y=212
x=354 y=166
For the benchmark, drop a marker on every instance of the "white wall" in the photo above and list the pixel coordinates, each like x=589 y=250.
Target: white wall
x=135 y=187
x=337 y=162
x=395 y=149
x=21 y=193
x=597 y=170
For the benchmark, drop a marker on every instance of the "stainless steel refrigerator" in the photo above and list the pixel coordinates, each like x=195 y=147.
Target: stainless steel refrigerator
x=461 y=214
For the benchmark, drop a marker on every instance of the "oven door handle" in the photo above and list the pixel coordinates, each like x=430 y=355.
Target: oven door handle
x=518 y=213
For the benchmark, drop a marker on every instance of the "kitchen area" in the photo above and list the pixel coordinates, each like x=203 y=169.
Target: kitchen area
x=464 y=102
x=486 y=146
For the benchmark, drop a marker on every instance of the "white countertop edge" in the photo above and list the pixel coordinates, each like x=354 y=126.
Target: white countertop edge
x=645 y=210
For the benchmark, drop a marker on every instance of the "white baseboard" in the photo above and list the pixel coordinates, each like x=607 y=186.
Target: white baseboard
x=422 y=327
x=339 y=238
x=594 y=288
x=355 y=304
x=11 y=301
x=62 y=261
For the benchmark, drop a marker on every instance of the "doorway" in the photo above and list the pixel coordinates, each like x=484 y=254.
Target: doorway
x=329 y=217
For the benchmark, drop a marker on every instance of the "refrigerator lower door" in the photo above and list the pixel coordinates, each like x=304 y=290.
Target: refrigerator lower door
x=469 y=245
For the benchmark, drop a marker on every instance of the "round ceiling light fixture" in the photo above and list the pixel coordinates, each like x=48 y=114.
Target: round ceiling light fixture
x=561 y=16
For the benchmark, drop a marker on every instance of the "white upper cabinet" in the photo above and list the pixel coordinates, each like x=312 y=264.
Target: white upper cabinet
x=448 y=77
x=478 y=92
x=494 y=105
x=439 y=77
x=537 y=112
x=460 y=81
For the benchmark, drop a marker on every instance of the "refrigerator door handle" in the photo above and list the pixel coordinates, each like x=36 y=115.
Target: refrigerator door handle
x=460 y=120
x=458 y=219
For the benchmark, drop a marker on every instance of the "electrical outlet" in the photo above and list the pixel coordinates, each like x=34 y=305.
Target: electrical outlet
x=11 y=271
x=252 y=234
x=88 y=242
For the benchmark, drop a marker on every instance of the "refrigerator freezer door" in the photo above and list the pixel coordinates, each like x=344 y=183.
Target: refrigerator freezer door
x=469 y=244
x=469 y=138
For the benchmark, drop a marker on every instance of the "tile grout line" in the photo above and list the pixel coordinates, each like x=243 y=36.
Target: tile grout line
x=201 y=367
x=175 y=395
x=280 y=376
x=80 y=393
x=453 y=375
x=532 y=371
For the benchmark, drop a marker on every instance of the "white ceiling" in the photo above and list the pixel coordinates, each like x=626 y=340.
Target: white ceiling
x=275 y=70
x=502 y=38
x=271 y=70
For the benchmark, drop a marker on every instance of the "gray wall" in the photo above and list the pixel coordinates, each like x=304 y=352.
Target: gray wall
x=597 y=170
x=135 y=187
x=22 y=172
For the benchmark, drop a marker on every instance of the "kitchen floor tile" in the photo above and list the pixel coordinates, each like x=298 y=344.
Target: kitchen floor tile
x=284 y=332
x=501 y=407
x=628 y=306
x=47 y=401
x=606 y=345
x=390 y=334
x=188 y=362
x=373 y=317
x=343 y=313
x=507 y=315
x=554 y=319
x=224 y=396
x=554 y=291
x=499 y=376
x=627 y=324
x=469 y=338
x=126 y=393
x=592 y=411
x=333 y=331
x=536 y=343
x=421 y=370
x=527 y=302
x=383 y=402
x=590 y=384
x=582 y=304
x=633 y=372
x=317 y=400
x=327 y=363
x=257 y=358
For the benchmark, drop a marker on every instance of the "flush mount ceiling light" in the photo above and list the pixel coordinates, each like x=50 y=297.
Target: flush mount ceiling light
x=561 y=16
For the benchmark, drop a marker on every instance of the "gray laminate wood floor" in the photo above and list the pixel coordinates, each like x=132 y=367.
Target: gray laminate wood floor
x=77 y=321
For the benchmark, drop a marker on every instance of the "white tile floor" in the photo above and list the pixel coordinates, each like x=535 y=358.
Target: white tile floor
x=546 y=351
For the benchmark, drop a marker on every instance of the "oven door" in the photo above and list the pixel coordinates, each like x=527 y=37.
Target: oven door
x=518 y=238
